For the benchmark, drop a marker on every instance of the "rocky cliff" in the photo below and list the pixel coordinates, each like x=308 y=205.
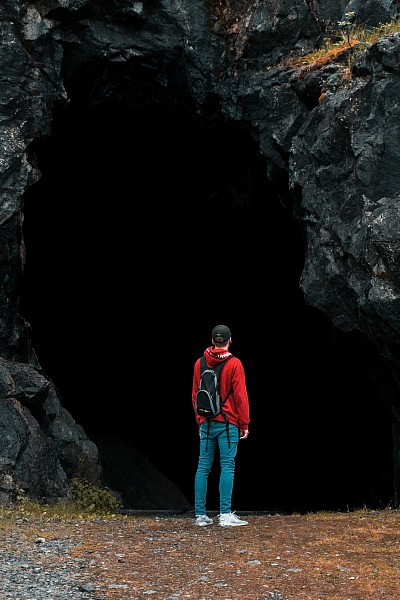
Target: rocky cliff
x=327 y=135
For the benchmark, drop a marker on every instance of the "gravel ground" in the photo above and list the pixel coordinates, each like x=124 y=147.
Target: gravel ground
x=36 y=568
x=321 y=556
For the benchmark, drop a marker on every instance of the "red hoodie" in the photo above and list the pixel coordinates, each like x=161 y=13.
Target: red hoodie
x=232 y=376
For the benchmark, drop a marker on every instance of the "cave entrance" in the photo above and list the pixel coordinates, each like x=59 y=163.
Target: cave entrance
x=151 y=224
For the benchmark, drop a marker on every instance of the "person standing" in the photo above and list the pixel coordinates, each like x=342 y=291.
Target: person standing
x=219 y=434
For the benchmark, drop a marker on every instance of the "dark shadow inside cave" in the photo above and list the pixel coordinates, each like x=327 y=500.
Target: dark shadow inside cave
x=149 y=226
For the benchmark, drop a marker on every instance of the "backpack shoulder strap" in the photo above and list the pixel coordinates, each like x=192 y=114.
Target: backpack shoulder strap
x=217 y=368
x=203 y=365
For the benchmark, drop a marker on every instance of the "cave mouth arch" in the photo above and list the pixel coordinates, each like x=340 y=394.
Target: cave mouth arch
x=149 y=225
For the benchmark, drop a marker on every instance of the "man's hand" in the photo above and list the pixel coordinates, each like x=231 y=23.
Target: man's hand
x=243 y=434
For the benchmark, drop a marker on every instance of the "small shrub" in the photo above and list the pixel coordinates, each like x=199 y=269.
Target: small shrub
x=92 y=499
x=85 y=501
x=351 y=28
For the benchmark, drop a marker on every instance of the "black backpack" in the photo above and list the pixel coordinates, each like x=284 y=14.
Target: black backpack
x=208 y=400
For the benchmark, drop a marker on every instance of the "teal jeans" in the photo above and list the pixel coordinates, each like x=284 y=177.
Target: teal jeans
x=217 y=437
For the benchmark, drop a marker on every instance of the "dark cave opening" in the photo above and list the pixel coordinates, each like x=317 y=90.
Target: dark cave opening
x=147 y=228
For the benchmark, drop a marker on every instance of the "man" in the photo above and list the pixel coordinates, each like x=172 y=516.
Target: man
x=217 y=432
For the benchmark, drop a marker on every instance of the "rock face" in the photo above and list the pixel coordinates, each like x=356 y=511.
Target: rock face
x=41 y=445
x=334 y=159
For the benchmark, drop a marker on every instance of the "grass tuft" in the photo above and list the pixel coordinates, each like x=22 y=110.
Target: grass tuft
x=353 y=37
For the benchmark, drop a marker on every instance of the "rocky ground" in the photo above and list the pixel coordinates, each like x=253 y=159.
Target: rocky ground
x=329 y=556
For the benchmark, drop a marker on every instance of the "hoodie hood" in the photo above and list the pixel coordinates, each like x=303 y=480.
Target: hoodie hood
x=215 y=355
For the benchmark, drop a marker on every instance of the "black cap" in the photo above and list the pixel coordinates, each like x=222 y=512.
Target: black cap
x=221 y=333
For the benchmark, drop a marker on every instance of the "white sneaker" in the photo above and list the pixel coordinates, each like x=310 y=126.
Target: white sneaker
x=230 y=520
x=203 y=520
